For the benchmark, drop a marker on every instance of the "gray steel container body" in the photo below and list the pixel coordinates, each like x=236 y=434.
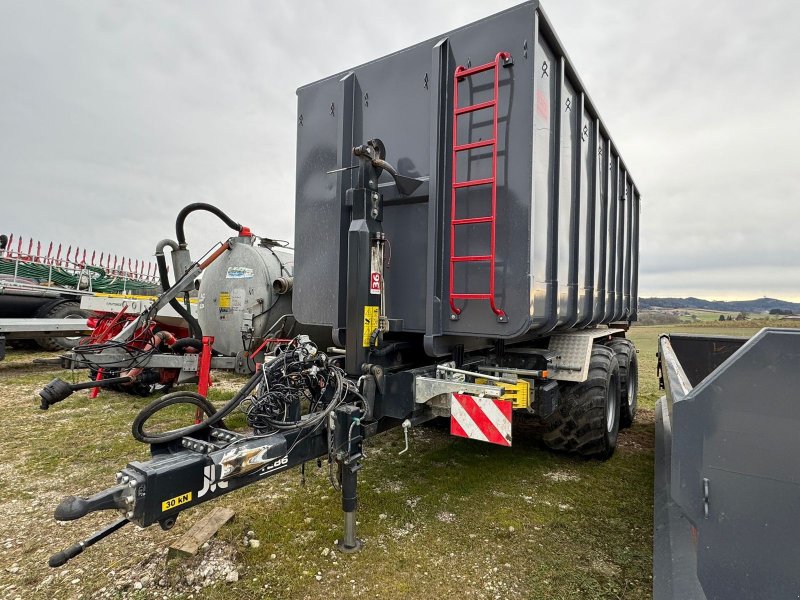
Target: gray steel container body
x=567 y=208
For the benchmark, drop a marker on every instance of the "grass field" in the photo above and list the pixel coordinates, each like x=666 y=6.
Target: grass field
x=450 y=518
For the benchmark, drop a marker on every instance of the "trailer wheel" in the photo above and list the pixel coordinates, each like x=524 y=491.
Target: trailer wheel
x=587 y=419
x=63 y=310
x=628 y=378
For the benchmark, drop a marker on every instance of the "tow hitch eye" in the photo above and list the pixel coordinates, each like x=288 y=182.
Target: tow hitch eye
x=73 y=507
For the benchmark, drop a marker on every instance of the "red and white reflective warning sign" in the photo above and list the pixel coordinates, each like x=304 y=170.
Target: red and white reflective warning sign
x=375 y=283
x=485 y=419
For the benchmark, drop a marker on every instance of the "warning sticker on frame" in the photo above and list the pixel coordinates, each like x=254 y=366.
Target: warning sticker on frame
x=370 y=324
x=224 y=300
x=375 y=283
x=239 y=273
x=175 y=502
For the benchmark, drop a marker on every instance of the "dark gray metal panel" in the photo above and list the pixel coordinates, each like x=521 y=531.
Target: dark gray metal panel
x=637 y=207
x=611 y=246
x=568 y=201
x=626 y=283
x=674 y=550
x=543 y=206
x=700 y=355
x=441 y=133
x=586 y=212
x=601 y=227
x=320 y=218
x=544 y=226
x=620 y=252
x=733 y=475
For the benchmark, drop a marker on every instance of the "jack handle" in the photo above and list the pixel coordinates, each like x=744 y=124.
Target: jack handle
x=61 y=558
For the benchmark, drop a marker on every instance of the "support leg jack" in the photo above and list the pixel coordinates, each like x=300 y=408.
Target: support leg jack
x=348 y=436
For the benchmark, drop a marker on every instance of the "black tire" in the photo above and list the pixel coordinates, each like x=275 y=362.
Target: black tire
x=586 y=421
x=628 y=379
x=64 y=310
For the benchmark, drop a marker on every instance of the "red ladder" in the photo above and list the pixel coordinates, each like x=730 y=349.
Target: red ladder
x=460 y=75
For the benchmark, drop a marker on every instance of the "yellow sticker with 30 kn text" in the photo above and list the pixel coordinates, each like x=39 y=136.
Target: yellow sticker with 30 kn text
x=176 y=501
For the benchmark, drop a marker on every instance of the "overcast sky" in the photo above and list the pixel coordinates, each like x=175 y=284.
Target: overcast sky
x=114 y=115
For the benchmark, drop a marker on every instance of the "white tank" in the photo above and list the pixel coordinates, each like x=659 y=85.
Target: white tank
x=236 y=302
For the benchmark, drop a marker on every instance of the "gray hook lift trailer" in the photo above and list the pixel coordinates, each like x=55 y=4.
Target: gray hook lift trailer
x=493 y=271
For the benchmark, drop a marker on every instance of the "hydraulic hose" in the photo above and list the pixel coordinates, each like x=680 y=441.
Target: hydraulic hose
x=183 y=397
x=194 y=326
x=184 y=343
x=187 y=210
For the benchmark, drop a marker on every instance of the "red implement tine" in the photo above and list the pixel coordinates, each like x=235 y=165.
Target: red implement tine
x=38 y=251
x=93 y=255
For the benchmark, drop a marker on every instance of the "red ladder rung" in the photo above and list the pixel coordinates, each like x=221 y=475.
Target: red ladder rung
x=473 y=145
x=473 y=220
x=473 y=183
x=474 y=107
x=471 y=296
x=475 y=258
x=474 y=70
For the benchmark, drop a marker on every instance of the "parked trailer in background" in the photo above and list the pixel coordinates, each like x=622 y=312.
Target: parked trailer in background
x=48 y=282
x=727 y=484
x=467 y=233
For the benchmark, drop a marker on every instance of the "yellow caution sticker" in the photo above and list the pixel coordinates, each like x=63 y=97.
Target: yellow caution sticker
x=224 y=299
x=175 y=502
x=371 y=314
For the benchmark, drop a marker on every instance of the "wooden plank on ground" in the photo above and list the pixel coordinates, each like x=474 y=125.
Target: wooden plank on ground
x=202 y=531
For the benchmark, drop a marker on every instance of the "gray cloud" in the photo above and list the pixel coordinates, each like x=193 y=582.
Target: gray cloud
x=114 y=115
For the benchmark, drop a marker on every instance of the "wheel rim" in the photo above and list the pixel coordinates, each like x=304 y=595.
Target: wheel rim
x=612 y=401
x=632 y=385
x=73 y=338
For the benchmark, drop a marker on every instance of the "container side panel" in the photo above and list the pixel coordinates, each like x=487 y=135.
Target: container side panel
x=601 y=226
x=567 y=202
x=544 y=186
x=635 y=258
x=626 y=283
x=611 y=246
x=622 y=207
x=586 y=230
x=318 y=215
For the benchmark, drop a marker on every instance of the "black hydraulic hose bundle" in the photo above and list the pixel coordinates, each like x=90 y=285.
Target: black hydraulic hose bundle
x=184 y=397
x=267 y=398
